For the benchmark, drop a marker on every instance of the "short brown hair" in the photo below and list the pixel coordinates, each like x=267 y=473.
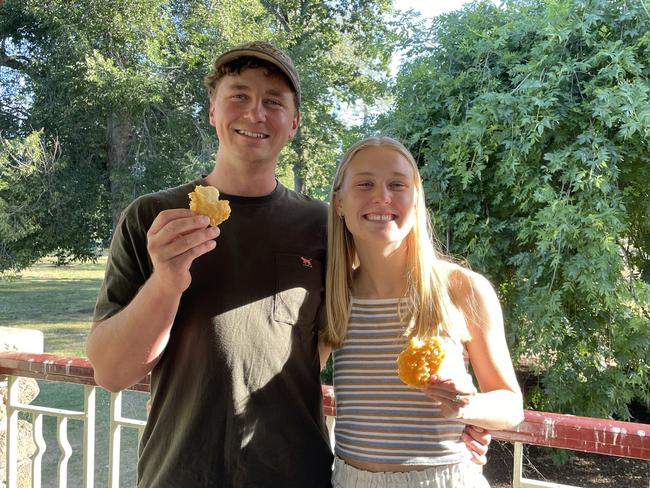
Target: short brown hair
x=236 y=66
x=257 y=54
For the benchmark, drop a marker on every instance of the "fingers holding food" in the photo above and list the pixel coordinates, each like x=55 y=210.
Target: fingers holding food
x=167 y=216
x=174 y=240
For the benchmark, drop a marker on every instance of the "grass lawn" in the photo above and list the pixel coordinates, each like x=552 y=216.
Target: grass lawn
x=59 y=301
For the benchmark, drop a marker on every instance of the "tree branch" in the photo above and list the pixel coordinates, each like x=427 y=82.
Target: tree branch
x=275 y=10
x=12 y=61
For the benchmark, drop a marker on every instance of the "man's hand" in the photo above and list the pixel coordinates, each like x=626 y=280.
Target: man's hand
x=176 y=238
x=477 y=441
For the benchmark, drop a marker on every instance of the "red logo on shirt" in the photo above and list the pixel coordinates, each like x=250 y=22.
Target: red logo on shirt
x=306 y=262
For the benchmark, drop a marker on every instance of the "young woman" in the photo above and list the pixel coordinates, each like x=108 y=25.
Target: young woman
x=385 y=284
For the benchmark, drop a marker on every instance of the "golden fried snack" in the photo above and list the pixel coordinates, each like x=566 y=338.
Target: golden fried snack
x=204 y=200
x=420 y=360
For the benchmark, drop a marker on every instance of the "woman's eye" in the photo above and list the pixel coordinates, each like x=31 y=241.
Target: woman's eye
x=364 y=184
x=398 y=185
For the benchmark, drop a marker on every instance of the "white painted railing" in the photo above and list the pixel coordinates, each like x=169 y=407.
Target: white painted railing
x=69 y=370
x=623 y=439
x=62 y=416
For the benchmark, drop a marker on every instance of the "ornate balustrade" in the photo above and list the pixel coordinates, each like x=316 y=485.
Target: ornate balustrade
x=614 y=438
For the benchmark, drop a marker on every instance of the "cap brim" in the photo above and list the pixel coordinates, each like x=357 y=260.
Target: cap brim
x=232 y=55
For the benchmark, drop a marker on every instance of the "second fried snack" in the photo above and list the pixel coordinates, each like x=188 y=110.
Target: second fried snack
x=204 y=200
x=420 y=360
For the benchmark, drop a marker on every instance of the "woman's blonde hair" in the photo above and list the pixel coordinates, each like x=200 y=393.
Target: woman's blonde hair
x=426 y=306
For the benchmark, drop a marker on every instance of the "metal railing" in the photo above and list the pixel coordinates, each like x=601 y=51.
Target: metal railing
x=609 y=437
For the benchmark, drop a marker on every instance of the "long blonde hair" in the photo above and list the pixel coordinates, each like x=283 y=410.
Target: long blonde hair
x=429 y=309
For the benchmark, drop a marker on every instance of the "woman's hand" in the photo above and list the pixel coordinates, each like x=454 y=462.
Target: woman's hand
x=452 y=394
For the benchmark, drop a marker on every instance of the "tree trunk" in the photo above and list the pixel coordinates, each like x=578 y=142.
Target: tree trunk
x=118 y=137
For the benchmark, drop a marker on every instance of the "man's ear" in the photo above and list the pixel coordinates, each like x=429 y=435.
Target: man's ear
x=211 y=112
x=294 y=125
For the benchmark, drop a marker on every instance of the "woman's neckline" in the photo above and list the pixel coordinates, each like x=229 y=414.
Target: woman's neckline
x=375 y=300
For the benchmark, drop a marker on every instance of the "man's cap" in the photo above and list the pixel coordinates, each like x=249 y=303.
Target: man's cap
x=267 y=52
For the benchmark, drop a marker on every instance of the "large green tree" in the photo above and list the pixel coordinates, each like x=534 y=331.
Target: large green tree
x=531 y=123
x=117 y=86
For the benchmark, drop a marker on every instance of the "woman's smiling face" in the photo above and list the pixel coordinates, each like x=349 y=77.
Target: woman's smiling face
x=377 y=197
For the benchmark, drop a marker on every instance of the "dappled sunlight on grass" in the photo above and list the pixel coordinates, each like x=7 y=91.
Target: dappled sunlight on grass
x=57 y=300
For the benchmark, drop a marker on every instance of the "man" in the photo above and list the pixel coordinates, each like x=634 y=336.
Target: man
x=227 y=328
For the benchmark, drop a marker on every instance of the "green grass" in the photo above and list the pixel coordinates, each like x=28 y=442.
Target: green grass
x=57 y=300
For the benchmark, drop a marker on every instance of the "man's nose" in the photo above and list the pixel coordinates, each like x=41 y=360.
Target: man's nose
x=256 y=111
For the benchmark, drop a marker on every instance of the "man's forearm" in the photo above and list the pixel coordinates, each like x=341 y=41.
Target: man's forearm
x=125 y=347
x=500 y=409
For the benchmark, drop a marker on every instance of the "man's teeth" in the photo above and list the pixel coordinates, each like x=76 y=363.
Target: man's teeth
x=383 y=218
x=252 y=134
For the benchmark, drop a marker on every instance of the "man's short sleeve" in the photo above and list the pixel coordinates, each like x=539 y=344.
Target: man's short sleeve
x=128 y=266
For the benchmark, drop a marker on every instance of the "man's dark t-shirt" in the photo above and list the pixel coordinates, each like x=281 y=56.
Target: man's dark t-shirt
x=236 y=396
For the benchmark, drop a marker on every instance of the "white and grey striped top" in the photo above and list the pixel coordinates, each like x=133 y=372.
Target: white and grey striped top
x=378 y=418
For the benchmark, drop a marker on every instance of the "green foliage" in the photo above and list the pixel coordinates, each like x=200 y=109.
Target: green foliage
x=37 y=189
x=531 y=125
x=342 y=50
x=326 y=375
x=119 y=85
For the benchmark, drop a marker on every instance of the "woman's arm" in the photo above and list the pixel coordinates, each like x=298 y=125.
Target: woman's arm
x=499 y=403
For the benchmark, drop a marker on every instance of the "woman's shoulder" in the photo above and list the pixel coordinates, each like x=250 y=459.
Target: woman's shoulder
x=464 y=284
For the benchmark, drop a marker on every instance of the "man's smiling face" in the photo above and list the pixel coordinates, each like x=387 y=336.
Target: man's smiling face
x=254 y=115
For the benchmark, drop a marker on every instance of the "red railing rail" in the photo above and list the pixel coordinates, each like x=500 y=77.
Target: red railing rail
x=55 y=368
x=601 y=436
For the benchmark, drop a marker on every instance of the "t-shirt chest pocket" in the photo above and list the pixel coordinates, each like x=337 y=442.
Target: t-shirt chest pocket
x=299 y=282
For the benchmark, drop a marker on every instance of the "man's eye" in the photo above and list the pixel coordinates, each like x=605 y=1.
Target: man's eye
x=274 y=103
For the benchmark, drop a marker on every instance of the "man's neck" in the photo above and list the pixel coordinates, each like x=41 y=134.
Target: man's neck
x=243 y=179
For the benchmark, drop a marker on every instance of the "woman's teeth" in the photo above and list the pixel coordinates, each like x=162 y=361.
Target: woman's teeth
x=382 y=218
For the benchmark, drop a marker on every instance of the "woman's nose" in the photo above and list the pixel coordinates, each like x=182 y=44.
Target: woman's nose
x=381 y=195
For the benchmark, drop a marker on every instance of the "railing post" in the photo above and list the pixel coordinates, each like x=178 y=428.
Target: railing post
x=66 y=450
x=115 y=441
x=11 y=468
x=89 y=436
x=517 y=469
x=41 y=446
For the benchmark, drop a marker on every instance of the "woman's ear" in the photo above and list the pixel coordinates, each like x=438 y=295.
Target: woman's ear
x=338 y=205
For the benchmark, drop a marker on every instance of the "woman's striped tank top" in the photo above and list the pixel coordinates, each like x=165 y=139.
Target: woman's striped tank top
x=378 y=418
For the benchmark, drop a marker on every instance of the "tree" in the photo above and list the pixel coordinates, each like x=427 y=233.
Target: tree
x=119 y=86
x=531 y=123
x=342 y=50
